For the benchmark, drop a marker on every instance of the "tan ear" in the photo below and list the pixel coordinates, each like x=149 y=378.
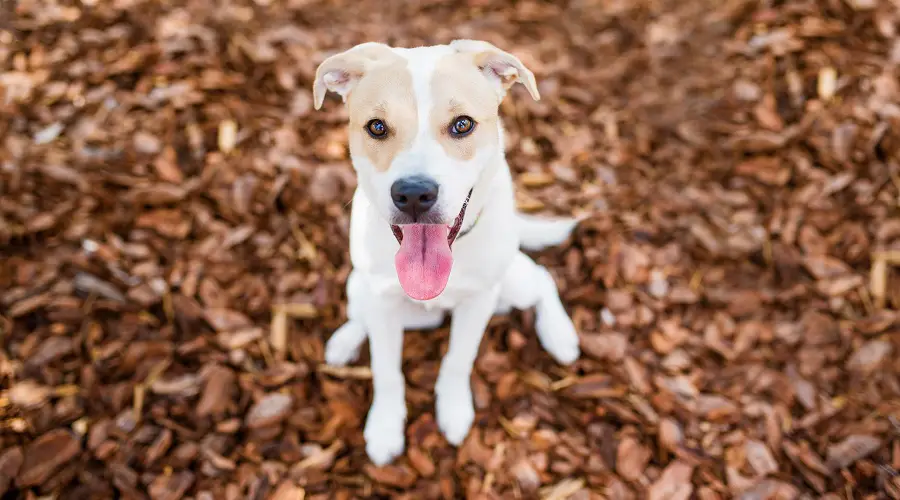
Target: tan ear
x=341 y=72
x=502 y=68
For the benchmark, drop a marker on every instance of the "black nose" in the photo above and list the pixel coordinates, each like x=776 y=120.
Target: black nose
x=414 y=195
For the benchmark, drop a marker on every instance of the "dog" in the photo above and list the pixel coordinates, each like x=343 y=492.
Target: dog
x=433 y=225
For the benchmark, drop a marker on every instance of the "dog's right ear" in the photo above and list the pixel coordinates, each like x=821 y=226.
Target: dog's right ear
x=500 y=67
x=341 y=72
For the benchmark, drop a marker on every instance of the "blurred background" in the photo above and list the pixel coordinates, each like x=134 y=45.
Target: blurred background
x=174 y=223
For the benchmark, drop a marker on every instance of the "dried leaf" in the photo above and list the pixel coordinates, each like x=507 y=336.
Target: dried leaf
x=269 y=410
x=766 y=169
x=605 y=346
x=185 y=385
x=760 y=458
x=45 y=455
x=174 y=259
x=870 y=356
x=28 y=394
x=528 y=478
x=851 y=449
x=391 y=475
x=227 y=136
x=670 y=434
x=631 y=459
x=673 y=484
x=827 y=83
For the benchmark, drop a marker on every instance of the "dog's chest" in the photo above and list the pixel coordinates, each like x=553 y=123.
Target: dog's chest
x=458 y=291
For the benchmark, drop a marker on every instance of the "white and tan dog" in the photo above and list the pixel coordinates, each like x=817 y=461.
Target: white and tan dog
x=434 y=227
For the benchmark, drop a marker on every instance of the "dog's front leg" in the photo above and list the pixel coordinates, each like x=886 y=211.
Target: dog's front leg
x=453 y=389
x=343 y=346
x=385 y=425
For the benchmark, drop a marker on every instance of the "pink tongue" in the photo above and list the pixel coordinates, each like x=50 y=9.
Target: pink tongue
x=424 y=260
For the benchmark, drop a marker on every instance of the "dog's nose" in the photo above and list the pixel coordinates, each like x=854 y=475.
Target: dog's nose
x=414 y=195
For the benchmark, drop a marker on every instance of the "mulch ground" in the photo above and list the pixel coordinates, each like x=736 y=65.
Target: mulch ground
x=174 y=222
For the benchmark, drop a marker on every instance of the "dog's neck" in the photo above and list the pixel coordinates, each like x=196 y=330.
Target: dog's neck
x=468 y=228
x=484 y=191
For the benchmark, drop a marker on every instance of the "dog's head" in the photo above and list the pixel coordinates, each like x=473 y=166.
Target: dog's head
x=425 y=131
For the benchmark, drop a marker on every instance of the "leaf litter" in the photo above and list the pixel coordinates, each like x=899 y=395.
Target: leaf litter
x=174 y=221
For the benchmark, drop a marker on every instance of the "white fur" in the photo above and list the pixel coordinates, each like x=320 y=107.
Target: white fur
x=489 y=275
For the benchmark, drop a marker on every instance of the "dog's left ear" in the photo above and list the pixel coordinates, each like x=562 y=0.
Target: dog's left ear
x=502 y=68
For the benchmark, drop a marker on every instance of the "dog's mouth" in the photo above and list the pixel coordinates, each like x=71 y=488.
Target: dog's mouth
x=453 y=230
x=425 y=258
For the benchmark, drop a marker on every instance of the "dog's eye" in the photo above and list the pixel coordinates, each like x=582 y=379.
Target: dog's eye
x=462 y=126
x=377 y=129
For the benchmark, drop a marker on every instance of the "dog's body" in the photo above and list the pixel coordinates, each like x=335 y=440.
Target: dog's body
x=415 y=145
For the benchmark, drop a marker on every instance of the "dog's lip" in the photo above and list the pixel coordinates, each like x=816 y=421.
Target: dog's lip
x=454 y=229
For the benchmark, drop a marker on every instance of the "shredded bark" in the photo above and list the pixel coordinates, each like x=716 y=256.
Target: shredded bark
x=174 y=222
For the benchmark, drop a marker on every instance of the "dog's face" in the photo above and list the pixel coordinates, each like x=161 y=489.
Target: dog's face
x=424 y=130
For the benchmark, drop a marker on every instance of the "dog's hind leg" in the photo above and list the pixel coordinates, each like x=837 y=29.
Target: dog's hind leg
x=528 y=284
x=344 y=345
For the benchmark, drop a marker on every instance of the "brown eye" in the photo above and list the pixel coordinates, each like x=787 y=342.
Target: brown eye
x=377 y=129
x=462 y=126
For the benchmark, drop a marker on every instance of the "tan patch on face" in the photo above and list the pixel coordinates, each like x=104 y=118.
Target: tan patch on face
x=459 y=89
x=385 y=93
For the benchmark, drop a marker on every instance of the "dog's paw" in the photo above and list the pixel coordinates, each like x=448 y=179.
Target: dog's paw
x=455 y=412
x=558 y=336
x=343 y=346
x=384 y=433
